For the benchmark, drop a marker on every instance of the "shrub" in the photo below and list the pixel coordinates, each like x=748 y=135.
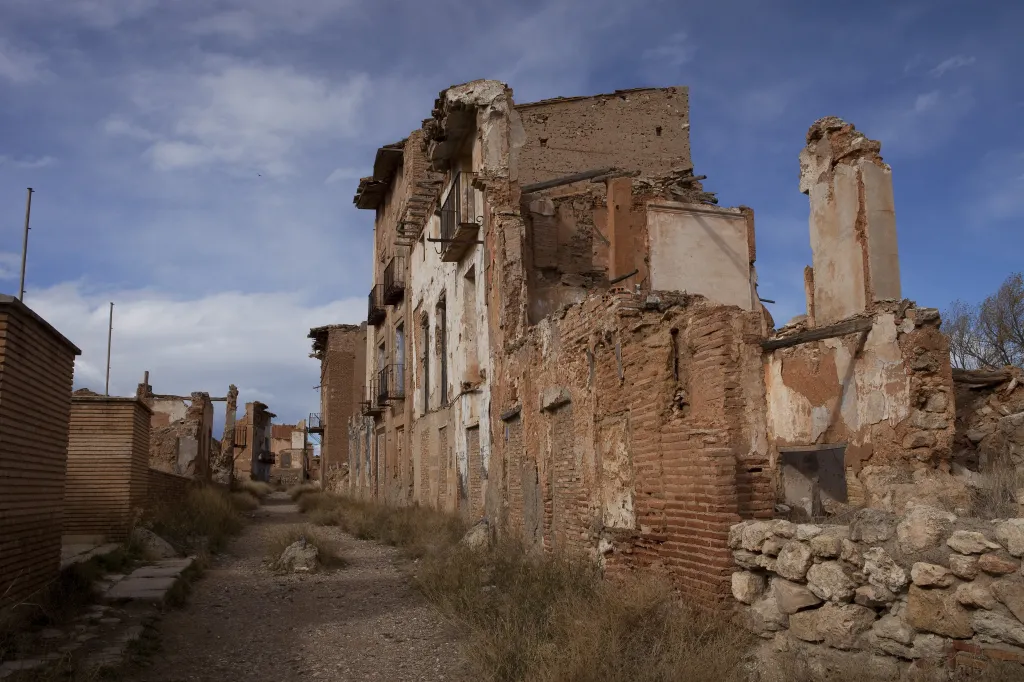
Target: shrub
x=328 y=553
x=205 y=516
x=245 y=501
x=298 y=491
x=259 y=489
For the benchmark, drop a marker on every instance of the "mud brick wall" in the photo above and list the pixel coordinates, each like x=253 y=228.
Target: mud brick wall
x=645 y=129
x=166 y=489
x=108 y=460
x=634 y=430
x=36 y=373
x=343 y=369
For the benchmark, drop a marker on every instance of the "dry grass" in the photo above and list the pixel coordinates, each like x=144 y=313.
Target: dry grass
x=997 y=497
x=545 y=618
x=328 y=552
x=204 y=520
x=298 y=491
x=245 y=501
x=258 y=489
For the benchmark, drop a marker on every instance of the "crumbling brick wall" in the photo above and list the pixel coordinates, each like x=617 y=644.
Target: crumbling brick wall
x=884 y=394
x=646 y=129
x=641 y=419
x=183 y=446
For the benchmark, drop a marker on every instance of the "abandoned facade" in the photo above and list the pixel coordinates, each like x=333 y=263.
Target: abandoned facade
x=564 y=336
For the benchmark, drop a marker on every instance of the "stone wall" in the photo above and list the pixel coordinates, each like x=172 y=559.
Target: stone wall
x=923 y=588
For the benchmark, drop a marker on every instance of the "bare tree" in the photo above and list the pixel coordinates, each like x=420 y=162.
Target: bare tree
x=990 y=334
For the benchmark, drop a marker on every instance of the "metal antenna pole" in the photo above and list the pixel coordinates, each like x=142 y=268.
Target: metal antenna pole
x=24 y=245
x=110 y=334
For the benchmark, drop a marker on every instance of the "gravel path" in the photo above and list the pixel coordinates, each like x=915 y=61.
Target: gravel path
x=362 y=622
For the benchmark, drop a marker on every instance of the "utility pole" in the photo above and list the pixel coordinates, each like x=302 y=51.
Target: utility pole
x=110 y=334
x=24 y=245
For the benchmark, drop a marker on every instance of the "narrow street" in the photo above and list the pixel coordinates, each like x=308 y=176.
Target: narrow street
x=243 y=622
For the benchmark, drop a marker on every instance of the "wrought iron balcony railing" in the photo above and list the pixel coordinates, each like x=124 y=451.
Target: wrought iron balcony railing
x=394 y=280
x=315 y=424
x=371 y=407
x=390 y=383
x=375 y=312
x=459 y=222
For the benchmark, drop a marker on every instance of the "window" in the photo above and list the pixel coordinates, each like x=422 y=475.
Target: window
x=442 y=348
x=469 y=315
x=426 y=364
x=400 y=356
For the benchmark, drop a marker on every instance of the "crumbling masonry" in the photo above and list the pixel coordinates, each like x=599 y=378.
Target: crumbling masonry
x=564 y=337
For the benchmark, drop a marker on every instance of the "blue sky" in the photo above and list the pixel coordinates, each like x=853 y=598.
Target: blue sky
x=195 y=161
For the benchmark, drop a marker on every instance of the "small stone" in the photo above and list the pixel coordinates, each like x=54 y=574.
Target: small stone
x=765 y=616
x=766 y=562
x=919 y=439
x=793 y=561
x=745 y=559
x=152 y=545
x=923 y=527
x=995 y=563
x=970 y=542
x=842 y=625
x=736 y=534
x=806 y=531
x=929 y=647
x=976 y=595
x=830 y=581
x=937 y=402
x=881 y=570
x=747 y=586
x=755 y=534
x=1011 y=535
x=873 y=526
x=850 y=553
x=963 y=567
x=929 y=420
x=804 y=625
x=829 y=544
x=773 y=545
x=998 y=626
x=937 y=611
x=1010 y=591
x=298 y=557
x=977 y=435
x=930 y=575
x=893 y=627
x=792 y=597
x=783 y=528
x=873 y=596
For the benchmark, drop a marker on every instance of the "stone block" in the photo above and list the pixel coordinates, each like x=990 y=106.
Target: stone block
x=873 y=526
x=998 y=563
x=999 y=627
x=882 y=571
x=830 y=581
x=970 y=542
x=963 y=567
x=923 y=527
x=873 y=596
x=755 y=534
x=937 y=611
x=1010 y=591
x=793 y=561
x=1011 y=535
x=976 y=595
x=792 y=597
x=747 y=586
x=930 y=575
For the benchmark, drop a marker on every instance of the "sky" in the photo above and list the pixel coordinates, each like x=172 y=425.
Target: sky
x=194 y=161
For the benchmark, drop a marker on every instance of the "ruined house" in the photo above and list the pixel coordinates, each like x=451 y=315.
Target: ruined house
x=253 y=457
x=564 y=336
x=341 y=350
x=181 y=432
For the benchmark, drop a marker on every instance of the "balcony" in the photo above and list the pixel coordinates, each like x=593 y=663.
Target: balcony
x=375 y=312
x=315 y=424
x=459 y=223
x=390 y=383
x=394 y=280
x=371 y=407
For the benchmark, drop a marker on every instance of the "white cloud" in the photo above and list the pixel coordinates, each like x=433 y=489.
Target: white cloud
x=926 y=102
x=256 y=341
x=675 y=52
x=238 y=24
x=18 y=65
x=956 y=62
x=119 y=127
x=922 y=123
x=243 y=116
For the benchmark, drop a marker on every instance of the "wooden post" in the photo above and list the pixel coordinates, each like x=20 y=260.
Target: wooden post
x=110 y=334
x=24 y=245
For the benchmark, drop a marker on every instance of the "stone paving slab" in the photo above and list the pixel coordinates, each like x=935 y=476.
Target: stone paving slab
x=80 y=553
x=149 y=583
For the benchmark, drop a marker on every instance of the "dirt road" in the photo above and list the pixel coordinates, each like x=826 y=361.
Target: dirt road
x=243 y=622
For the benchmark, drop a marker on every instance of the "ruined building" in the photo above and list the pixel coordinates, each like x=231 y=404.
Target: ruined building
x=253 y=457
x=564 y=336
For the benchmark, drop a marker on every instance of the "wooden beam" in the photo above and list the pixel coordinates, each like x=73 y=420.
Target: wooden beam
x=819 y=334
x=565 y=180
x=979 y=378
